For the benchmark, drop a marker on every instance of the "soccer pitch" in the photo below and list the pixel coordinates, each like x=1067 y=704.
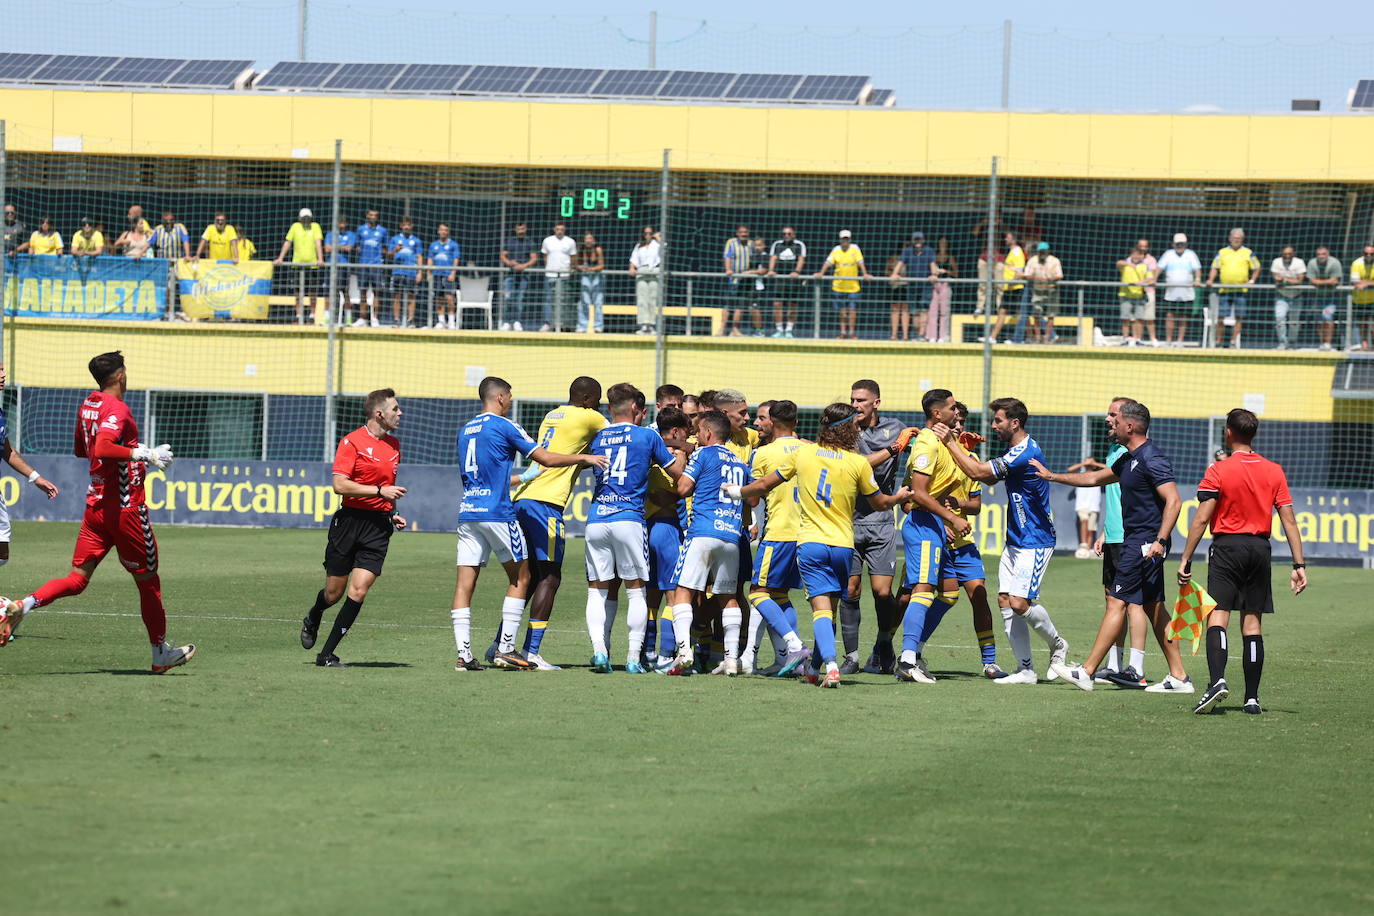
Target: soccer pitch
x=253 y=782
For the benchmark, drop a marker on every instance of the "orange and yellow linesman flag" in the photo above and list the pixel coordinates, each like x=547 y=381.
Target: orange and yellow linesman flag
x=1190 y=614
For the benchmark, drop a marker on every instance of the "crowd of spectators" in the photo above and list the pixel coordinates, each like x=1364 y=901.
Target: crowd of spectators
x=559 y=283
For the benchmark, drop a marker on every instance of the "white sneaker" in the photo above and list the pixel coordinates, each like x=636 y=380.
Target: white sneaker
x=373 y=322
x=503 y=326
x=360 y=323
x=1059 y=653
x=165 y=657
x=1076 y=675
x=1024 y=676
x=746 y=664
x=1170 y=684
x=517 y=326
x=540 y=664
x=730 y=667
x=545 y=328
x=922 y=667
x=11 y=614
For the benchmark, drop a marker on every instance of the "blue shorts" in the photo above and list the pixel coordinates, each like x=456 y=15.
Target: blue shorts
x=1138 y=580
x=966 y=563
x=776 y=565
x=927 y=558
x=403 y=284
x=846 y=300
x=665 y=543
x=542 y=523
x=442 y=284
x=1230 y=305
x=1326 y=309
x=824 y=569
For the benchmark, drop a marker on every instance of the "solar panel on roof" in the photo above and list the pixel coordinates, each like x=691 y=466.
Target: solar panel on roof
x=882 y=97
x=563 y=81
x=21 y=66
x=1364 y=94
x=374 y=77
x=73 y=68
x=691 y=84
x=764 y=86
x=497 y=79
x=211 y=74
x=296 y=74
x=147 y=70
x=633 y=83
x=430 y=78
x=830 y=89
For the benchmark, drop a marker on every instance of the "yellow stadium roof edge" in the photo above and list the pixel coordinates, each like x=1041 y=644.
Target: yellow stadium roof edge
x=632 y=135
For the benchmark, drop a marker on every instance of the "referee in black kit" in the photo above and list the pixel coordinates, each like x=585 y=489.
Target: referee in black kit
x=365 y=476
x=1237 y=497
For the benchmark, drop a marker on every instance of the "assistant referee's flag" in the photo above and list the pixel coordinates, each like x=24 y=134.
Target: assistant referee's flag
x=1190 y=614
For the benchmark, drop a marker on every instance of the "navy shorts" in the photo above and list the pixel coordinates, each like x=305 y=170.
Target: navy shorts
x=1138 y=580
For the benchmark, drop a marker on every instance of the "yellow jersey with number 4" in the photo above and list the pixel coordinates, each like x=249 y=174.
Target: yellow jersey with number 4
x=566 y=430
x=829 y=484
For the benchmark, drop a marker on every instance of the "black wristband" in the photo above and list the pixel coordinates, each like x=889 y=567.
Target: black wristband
x=1163 y=542
x=1299 y=565
x=379 y=490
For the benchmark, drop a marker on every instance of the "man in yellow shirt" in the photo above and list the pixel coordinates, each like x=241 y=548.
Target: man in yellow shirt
x=219 y=241
x=45 y=239
x=830 y=477
x=1136 y=278
x=1362 y=299
x=848 y=263
x=305 y=241
x=1013 y=268
x=540 y=502
x=1238 y=267
x=89 y=242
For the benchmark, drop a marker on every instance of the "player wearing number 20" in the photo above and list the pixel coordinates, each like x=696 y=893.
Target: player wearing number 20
x=617 y=543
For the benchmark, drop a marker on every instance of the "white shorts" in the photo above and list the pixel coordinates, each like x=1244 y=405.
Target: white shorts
x=617 y=550
x=479 y=540
x=4 y=523
x=707 y=564
x=1022 y=571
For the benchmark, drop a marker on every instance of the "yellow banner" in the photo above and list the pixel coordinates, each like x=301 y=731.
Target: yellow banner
x=224 y=289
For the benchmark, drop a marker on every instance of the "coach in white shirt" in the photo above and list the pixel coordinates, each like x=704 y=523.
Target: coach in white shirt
x=1289 y=272
x=558 y=250
x=646 y=264
x=1181 y=272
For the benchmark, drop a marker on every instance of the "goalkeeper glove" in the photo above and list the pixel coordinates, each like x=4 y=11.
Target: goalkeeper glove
x=970 y=441
x=904 y=439
x=159 y=456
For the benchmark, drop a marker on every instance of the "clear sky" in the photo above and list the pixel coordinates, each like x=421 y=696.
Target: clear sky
x=1066 y=54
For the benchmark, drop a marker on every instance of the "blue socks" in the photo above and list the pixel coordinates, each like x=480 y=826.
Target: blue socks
x=914 y=621
x=823 y=625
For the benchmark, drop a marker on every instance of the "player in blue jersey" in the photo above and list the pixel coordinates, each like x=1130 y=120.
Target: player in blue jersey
x=340 y=245
x=407 y=252
x=616 y=540
x=372 y=283
x=709 y=559
x=487 y=446
x=444 y=255
x=666 y=517
x=1030 y=537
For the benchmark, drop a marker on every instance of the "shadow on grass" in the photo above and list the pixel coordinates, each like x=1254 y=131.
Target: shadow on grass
x=375 y=664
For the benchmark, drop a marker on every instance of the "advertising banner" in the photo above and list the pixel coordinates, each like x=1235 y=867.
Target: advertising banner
x=1335 y=524
x=64 y=286
x=224 y=289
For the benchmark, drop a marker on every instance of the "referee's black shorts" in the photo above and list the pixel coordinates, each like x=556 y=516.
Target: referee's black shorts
x=1238 y=573
x=1111 y=559
x=358 y=539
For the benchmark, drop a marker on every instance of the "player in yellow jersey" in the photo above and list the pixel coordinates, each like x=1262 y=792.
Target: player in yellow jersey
x=665 y=522
x=966 y=562
x=541 y=499
x=830 y=477
x=775 y=567
x=932 y=475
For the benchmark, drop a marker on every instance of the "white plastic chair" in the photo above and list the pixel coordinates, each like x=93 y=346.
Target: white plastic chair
x=474 y=293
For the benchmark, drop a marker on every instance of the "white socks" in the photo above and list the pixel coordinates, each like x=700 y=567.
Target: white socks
x=682 y=627
x=638 y=619
x=791 y=642
x=612 y=608
x=462 y=631
x=1114 y=658
x=1019 y=636
x=731 y=619
x=596 y=619
x=751 y=642
x=1138 y=661
x=908 y=656
x=512 y=609
x=1039 y=620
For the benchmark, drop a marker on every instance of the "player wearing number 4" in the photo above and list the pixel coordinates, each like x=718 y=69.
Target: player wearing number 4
x=116 y=516
x=830 y=477
x=617 y=543
x=487 y=446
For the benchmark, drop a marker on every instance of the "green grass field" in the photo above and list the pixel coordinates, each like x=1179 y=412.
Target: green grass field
x=253 y=782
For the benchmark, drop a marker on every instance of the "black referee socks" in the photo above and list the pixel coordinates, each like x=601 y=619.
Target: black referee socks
x=1216 y=654
x=1253 y=663
x=347 y=614
x=321 y=605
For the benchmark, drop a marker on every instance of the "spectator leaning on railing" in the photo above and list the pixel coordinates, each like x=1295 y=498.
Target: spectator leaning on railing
x=45 y=239
x=219 y=241
x=1043 y=271
x=1182 y=273
x=407 y=253
x=646 y=266
x=14 y=235
x=518 y=254
x=590 y=262
x=943 y=268
x=1238 y=268
x=1013 y=268
x=558 y=250
x=305 y=241
x=1362 y=300
x=1135 y=277
x=913 y=263
x=786 y=261
x=1325 y=274
x=1288 y=272
x=848 y=263
x=89 y=242
x=444 y=257
x=739 y=282
x=341 y=246
x=169 y=239
x=1149 y=317
x=372 y=279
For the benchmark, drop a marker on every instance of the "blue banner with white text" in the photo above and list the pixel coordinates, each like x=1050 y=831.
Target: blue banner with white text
x=69 y=286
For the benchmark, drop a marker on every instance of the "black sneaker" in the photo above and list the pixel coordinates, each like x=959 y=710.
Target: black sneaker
x=513 y=660
x=328 y=661
x=310 y=629
x=1253 y=707
x=1212 y=696
x=468 y=664
x=1130 y=679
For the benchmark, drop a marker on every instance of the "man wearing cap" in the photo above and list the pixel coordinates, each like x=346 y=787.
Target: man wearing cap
x=1181 y=272
x=913 y=263
x=1043 y=273
x=305 y=241
x=89 y=242
x=848 y=262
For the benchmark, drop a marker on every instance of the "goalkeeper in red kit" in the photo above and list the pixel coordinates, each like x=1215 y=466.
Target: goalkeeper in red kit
x=116 y=516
